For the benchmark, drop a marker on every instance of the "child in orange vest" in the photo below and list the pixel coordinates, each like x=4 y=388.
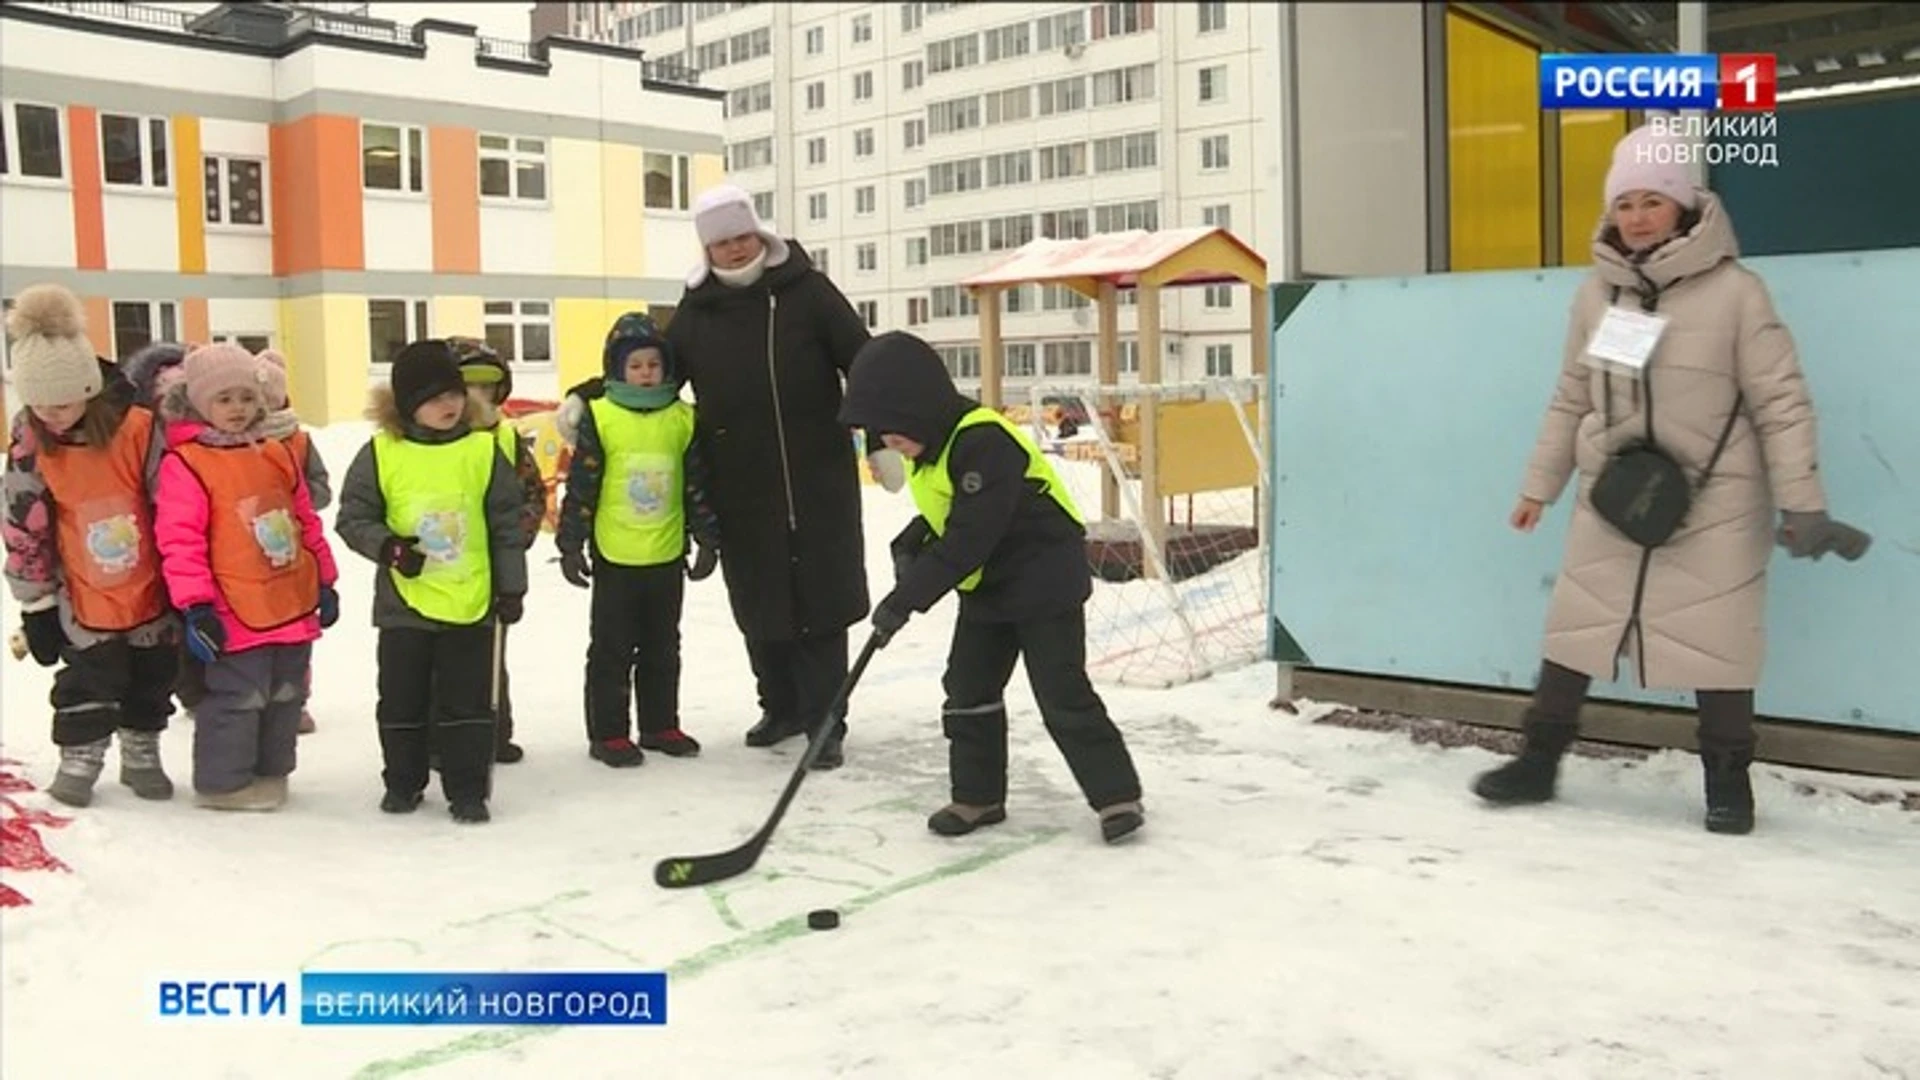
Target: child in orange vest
x=284 y=424
x=246 y=560
x=81 y=558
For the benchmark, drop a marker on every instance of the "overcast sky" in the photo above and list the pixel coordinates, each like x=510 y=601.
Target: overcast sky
x=504 y=20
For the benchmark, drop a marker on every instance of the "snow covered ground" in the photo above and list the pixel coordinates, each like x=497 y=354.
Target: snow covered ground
x=1307 y=900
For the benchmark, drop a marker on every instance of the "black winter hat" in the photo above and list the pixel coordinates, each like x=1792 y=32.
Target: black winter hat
x=423 y=371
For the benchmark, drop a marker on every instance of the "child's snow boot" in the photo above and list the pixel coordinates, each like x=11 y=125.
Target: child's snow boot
x=508 y=753
x=1121 y=820
x=619 y=753
x=672 y=742
x=307 y=726
x=275 y=789
x=959 y=819
x=80 y=766
x=400 y=802
x=470 y=812
x=140 y=767
x=257 y=796
x=833 y=755
x=773 y=730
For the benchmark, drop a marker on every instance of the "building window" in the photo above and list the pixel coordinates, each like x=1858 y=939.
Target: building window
x=817 y=206
x=1007 y=106
x=912 y=74
x=1020 y=360
x=1009 y=41
x=862 y=29
x=133 y=151
x=1123 y=85
x=747 y=100
x=236 y=191
x=1124 y=217
x=763 y=205
x=866 y=257
x=31 y=142
x=1012 y=167
x=391 y=324
x=916 y=310
x=1061 y=298
x=1063 y=95
x=521 y=331
x=1118 y=153
x=863 y=86
x=816 y=96
x=916 y=192
x=820 y=261
x=668 y=180
x=1219 y=216
x=1118 y=20
x=1129 y=357
x=1213 y=153
x=1212 y=17
x=1067 y=357
x=139 y=323
x=953 y=54
x=864 y=201
x=513 y=168
x=953 y=302
x=1017 y=299
x=393 y=158
x=1060 y=31
x=749 y=46
x=916 y=251
x=869 y=313
x=963 y=361
x=1219 y=297
x=913 y=133
x=817 y=150
x=863 y=142
x=959 y=114
x=910 y=16
x=1213 y=83
x=1064 y=160
x=1219 y=361
x=1064 y=224
x=1009 y=232
x=253 y=343
x=816 y=40
x=752 y=154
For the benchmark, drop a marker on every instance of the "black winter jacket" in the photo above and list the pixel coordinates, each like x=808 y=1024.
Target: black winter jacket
x=1031 y=554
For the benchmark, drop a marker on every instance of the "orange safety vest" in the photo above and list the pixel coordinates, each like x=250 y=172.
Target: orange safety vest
x=254 y=545
x=298 y=442
x=103 y=526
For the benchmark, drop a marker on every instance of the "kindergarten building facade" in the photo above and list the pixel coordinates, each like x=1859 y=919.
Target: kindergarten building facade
x=336 y=186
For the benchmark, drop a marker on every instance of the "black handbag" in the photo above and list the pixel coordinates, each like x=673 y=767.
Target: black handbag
x=1642 y=491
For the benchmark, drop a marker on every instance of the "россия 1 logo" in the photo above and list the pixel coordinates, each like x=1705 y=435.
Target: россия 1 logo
x=1733 y=82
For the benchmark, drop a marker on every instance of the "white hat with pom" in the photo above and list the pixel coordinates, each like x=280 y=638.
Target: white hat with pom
x=53 y=362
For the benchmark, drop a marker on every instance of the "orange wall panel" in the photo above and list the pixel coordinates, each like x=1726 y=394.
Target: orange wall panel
x=317 y=213
x=195 y=326
x=89 y=212
x=454 y=183
x=99 y=323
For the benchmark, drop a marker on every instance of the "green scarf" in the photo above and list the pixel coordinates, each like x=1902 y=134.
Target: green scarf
x=646 y=398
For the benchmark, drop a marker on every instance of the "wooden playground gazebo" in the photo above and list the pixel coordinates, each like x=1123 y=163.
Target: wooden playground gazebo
x=1182 y=446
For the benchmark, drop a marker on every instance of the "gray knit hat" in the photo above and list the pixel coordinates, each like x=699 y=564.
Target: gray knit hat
x=53 y=362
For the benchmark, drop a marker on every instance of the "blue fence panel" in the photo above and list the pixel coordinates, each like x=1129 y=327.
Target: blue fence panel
x=1404 y=411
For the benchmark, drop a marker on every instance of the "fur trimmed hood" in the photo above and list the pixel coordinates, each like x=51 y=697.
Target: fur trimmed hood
x=384 y=411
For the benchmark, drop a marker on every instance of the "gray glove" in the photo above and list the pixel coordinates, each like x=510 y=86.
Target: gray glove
x=1811 y=535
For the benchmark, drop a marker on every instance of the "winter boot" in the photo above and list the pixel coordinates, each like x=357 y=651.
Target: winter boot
x=672 y=742
x=618 y=753
x=772 y=731
x=1532 y=776
x=833 y=755
x=1729 y=790
x=275 y=788
x=307 y=726
x=400 y=802
x=959 y=819
x=79 y=767
x=140 y=764
x=508 y=753
x=1120 y=821
x=470 y=812
x=260 y=795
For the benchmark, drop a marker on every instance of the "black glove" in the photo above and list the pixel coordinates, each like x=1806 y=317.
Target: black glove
x=888 y=617
x=573 y=567
x=906 y=547
x=45 y=637
x=705 y=559
x=329 y=606
x=508 y=609
x=399 y=553
x=1811 y=535
x=206 y=638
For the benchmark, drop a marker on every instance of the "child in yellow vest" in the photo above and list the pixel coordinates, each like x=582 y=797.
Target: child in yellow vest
x=997 y=526
x=436 y=505
x=246 y=559
x=81 y=560
x=635 y=493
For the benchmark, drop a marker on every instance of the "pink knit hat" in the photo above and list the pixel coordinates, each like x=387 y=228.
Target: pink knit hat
x=273 y=378
x=1646 y=160
x=211 y=370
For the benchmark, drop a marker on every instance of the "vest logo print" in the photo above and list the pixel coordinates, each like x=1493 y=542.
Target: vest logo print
x=443 y=534
x=114 y=543
x=278 y=537
x=649 y=487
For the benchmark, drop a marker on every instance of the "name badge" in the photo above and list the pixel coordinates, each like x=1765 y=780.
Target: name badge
x=1625 y=340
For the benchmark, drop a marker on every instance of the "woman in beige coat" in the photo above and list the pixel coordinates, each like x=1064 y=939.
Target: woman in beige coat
x=1687 y=614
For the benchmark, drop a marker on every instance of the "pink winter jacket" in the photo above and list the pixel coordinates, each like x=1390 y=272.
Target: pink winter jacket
x=182 y=523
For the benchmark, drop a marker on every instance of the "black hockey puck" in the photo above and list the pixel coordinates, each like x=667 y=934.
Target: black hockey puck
x=823 y=919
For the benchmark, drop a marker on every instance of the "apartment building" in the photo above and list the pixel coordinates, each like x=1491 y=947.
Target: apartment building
x=911 y=144
x=335 y=186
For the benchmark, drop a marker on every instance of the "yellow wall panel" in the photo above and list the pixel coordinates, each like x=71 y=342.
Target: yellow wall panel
x=327 y=348
x=1587 y=138
x=189 y=193
x=621 y=229
x=1493 y=148
x=459 y=316
x=580 y=326
x=709 y=171
x=580 y=206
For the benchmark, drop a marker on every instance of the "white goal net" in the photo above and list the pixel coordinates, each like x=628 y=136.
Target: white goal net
x=1180 y=572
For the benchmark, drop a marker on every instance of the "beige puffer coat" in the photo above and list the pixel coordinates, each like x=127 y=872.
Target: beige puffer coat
x=1701 y=614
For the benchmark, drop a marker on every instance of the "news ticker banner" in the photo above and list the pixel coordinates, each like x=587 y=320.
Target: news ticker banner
x=1742 y=88
x=428 y=998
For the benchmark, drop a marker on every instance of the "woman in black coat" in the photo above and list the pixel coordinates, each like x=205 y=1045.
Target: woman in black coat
x=767 y=340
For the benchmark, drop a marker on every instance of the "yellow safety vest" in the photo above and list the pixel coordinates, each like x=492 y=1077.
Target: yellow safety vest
x=438 y=492
x=932 y=486
x=641 y=516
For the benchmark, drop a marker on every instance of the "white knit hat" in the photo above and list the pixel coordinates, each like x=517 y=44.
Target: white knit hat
x=53 y=362
x=1649 y=160
x=723 y=213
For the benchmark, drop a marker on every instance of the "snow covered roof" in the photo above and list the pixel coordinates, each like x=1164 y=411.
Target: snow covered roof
x=1201 y=255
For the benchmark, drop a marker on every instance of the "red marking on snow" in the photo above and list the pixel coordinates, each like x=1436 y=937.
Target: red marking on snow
x=21 y=847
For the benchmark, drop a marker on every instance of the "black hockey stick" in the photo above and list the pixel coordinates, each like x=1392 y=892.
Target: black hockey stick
x=691 y=871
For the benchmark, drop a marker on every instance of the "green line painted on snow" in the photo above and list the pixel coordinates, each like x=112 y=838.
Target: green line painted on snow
x=706 y=959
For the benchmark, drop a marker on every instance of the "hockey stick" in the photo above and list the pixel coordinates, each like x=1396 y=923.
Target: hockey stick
x=691 y=871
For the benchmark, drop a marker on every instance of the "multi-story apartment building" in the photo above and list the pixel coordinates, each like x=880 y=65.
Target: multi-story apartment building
x=336 y=186
x=912 y=144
